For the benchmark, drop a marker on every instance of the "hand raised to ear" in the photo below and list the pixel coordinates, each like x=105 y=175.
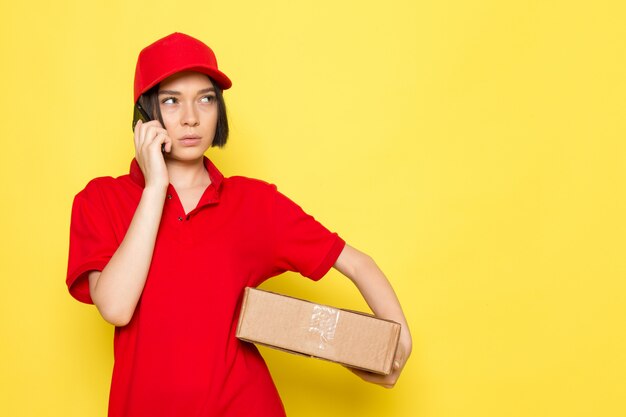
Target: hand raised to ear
x=149 y=139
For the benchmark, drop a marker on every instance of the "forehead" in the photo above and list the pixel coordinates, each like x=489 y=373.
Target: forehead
x=186 y=80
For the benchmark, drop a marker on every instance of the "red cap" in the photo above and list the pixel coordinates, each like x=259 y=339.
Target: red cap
x=171 y=54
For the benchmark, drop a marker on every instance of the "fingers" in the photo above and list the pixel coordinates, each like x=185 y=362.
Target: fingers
x=168 y=144
x=150 y=135
x=147 y=132
x=402 y=354
x=154 y=144
x=403 y=351
x=386 y=381
x=136 y=133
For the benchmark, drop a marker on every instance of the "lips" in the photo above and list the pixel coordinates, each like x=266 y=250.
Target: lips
x=190 y=140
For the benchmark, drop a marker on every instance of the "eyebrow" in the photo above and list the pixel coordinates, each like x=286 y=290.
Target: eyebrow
x=178 y=93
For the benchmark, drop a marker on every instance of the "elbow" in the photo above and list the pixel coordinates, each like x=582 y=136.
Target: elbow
x=116 y=315
x=113 y=307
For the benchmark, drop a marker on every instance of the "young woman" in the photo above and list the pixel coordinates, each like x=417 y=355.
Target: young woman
x=165 y=252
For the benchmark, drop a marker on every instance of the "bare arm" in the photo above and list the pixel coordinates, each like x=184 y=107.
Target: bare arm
x=379 y=295
x=116 y=290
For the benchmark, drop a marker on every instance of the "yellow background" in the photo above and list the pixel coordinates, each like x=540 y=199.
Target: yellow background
x=474 y=148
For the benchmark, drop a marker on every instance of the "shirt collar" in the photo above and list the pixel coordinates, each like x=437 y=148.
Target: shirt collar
x=214 y=174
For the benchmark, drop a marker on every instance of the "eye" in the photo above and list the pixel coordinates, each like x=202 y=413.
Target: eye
x=169 y=100
x=208 y=99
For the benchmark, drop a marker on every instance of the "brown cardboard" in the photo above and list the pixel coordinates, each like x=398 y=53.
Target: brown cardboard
x=351 y=338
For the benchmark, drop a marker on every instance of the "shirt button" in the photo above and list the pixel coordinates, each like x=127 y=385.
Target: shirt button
x=169 y=196
x=180 y=219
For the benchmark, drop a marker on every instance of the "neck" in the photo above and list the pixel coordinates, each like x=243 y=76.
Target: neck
x=187 y=174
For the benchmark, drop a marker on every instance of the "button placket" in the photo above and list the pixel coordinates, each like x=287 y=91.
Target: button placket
x=186 y=228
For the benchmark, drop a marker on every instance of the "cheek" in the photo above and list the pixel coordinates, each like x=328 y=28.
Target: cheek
x=169 y=121
x=210 y=118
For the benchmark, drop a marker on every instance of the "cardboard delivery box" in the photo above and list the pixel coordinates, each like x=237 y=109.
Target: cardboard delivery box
x=351 y=338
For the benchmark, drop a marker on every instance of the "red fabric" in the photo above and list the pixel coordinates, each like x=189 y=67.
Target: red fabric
x=171 y=54
x=178 y=356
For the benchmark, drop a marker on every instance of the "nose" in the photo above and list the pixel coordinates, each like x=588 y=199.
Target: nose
x=189 y=116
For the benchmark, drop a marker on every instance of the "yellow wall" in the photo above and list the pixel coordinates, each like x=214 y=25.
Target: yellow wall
x=474 y=148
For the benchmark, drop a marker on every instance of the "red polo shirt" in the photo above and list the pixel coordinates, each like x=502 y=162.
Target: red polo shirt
x=178 y=356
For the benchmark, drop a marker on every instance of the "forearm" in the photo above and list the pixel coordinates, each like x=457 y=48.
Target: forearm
x=116 y=290
x=381 y=298
x=372 y=284
x=377 y=291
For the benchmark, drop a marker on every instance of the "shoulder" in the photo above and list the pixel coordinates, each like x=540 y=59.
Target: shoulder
x=98 y=188
x=249 y=185
x=259 y=193
x=249 y=192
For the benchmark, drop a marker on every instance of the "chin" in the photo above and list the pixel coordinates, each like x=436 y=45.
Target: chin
x=187 y=155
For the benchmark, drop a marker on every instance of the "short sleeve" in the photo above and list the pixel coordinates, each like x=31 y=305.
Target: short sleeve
x=301 y=243
x=92 y=241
